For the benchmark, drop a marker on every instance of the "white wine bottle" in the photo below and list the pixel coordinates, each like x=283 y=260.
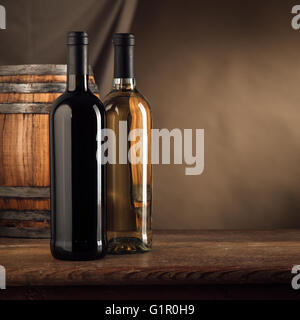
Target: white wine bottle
x=129 y=186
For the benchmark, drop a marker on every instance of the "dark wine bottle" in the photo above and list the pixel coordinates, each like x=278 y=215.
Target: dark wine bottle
x=78 y=206
x=129 y=183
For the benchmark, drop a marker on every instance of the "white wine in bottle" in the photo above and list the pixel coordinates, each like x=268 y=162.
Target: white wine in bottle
x=129 y=186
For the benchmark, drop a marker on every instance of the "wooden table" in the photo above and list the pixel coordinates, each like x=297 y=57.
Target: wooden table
x=182 y=264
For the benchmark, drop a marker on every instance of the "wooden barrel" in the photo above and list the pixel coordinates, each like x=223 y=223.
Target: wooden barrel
x=26 y=96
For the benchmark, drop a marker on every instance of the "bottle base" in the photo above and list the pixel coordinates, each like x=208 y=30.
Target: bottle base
x=61 y=254
x=127 y=246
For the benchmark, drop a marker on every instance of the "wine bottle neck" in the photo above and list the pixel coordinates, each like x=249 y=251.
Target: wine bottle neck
x=124 y=63
x=77 y=69
x=124 y=83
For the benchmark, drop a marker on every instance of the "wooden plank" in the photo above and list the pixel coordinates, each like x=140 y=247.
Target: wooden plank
x=25 y=192
x=33 y=87
x=25 y=215
x=24 y=150
x=155 y=292
x=24 y=204
x=31 y=97
x=28 y=97
x=42 y=233
x=38 y=87
x=40 y=159
x=37 y=78
x=36 y=69
x=38 y=108
x=25 y=224
x=177 y=258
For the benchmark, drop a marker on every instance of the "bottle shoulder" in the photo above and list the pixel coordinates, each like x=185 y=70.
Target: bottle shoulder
x=75 y=100
x=119 y=98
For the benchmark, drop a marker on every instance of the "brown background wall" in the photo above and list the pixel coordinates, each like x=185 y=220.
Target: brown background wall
x=230 y=67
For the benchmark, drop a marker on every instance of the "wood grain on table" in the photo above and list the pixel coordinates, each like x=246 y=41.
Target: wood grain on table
x=178 y=257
